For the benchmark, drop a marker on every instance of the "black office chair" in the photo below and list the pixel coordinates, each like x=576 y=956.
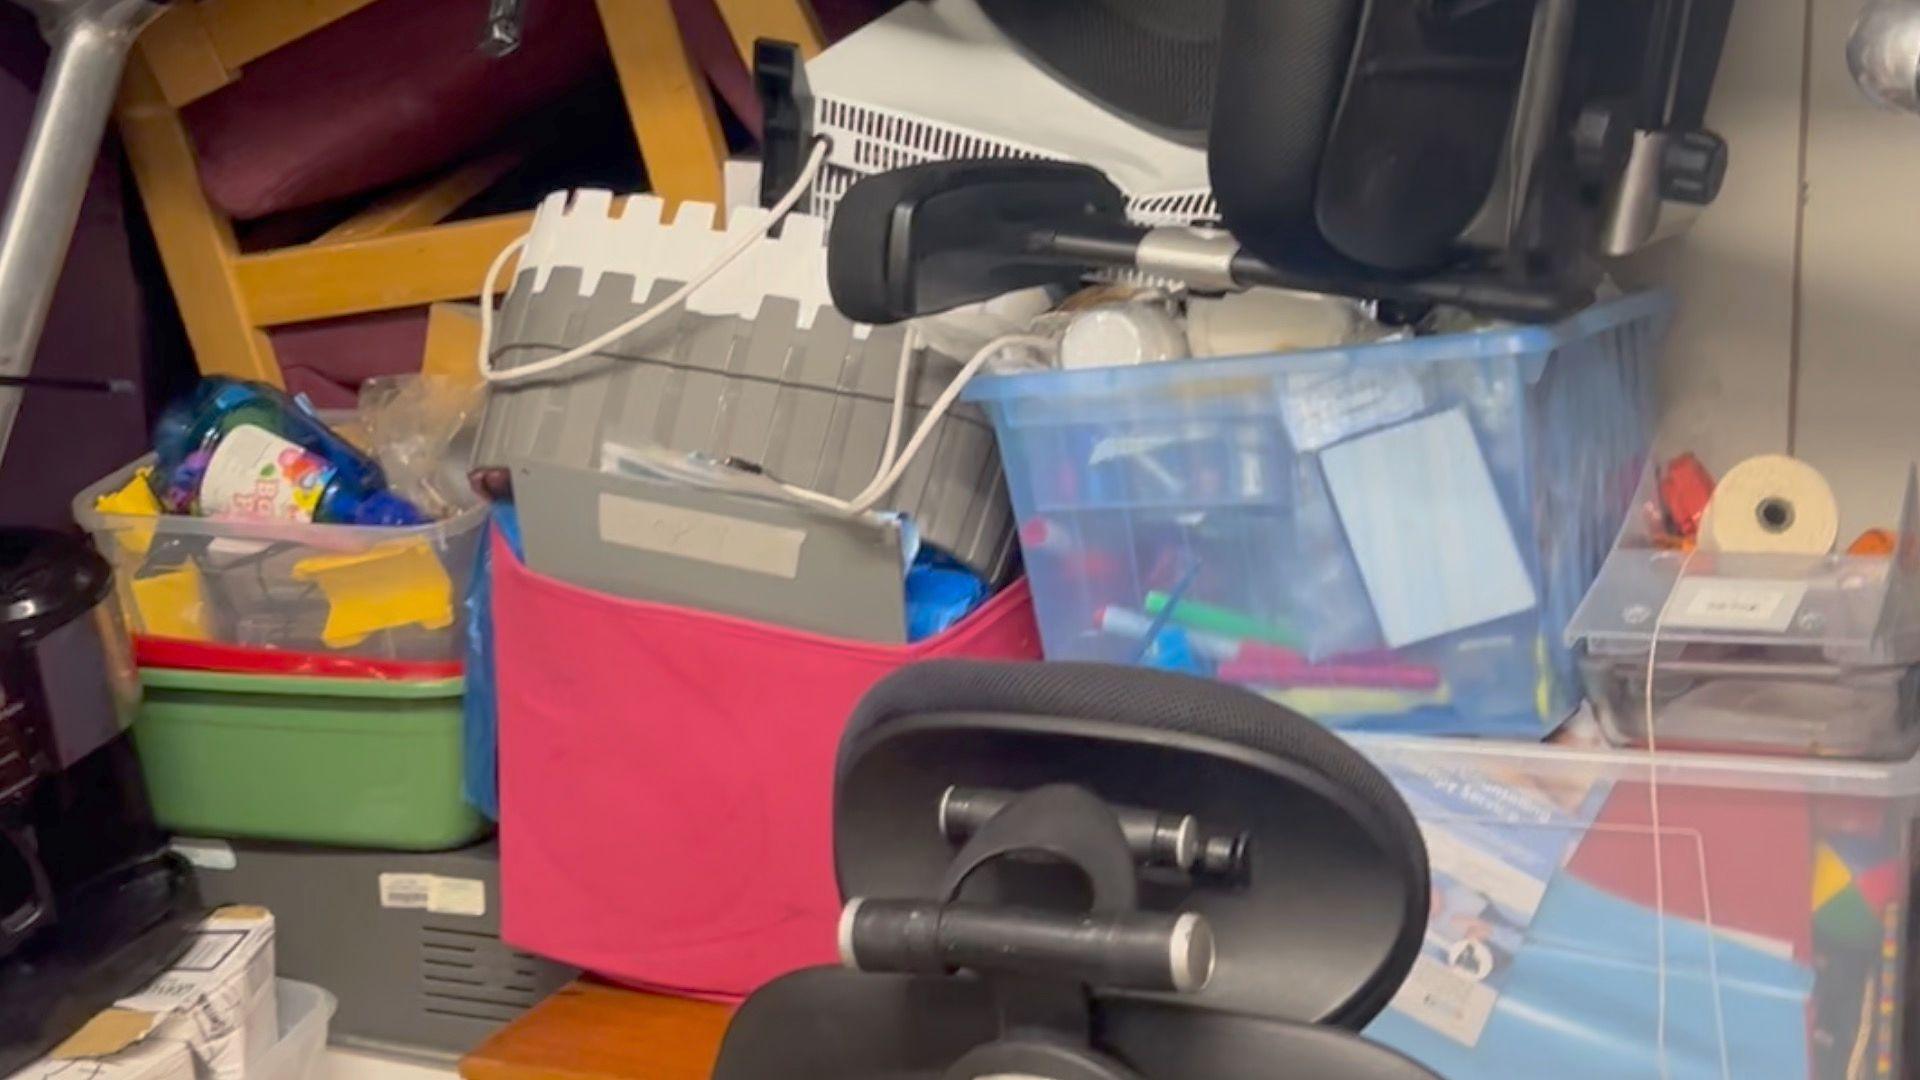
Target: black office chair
x=1486 y=153
x=1082 y=872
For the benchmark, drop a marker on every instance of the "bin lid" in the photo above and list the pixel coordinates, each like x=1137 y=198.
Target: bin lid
x=47 y=579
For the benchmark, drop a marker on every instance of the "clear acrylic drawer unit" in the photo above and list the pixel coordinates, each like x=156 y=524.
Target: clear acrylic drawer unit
x=1385 y=537
x=1815 y=655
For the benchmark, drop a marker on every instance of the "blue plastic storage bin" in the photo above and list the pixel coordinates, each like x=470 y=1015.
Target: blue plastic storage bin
x=1386 y=537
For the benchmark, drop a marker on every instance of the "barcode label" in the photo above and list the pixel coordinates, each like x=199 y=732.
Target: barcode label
x=406 y=890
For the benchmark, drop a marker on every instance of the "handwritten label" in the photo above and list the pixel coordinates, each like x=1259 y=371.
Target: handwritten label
x=1735 y=604
x=701 y=536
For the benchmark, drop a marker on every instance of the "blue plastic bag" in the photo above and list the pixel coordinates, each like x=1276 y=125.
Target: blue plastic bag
x=480 y=707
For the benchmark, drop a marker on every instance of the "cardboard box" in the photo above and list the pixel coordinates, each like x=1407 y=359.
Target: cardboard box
x=211 y=1016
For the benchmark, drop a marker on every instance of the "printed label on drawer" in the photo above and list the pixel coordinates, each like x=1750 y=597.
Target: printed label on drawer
x=1450 y=1000
x=696 y=534
x=434 y=894
x=1735 y=604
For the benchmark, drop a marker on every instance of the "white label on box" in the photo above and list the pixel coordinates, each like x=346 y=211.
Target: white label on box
x=695 y=534
x=1453 y=1003
x=206 y=854
x=1704 y=603
x=406 y=890
x=457 y=896
x=435 y=894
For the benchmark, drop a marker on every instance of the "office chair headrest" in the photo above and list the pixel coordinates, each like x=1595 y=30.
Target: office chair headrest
x=1327 y=916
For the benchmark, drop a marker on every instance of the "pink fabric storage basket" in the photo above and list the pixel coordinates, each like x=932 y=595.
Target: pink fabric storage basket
x=666 y=778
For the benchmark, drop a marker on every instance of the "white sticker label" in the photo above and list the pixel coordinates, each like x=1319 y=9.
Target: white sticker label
x=1735 y=604
x=435 y=894
x=1453 y=1002
x=458 y=896
x=206 y=854
x=406 y=890
x=696 y=534
x=254 y=473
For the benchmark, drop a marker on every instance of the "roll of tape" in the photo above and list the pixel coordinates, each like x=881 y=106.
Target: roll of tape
x=1772 y=504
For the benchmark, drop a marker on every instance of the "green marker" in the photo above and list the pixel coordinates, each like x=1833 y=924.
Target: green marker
x=1225 y=621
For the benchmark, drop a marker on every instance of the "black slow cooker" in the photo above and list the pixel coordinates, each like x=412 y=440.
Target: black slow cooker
x=92 y=905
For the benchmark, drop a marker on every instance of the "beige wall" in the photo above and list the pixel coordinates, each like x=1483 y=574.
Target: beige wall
x=1800 y=320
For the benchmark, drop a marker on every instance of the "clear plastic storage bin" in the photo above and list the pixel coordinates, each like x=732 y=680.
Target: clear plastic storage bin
x=387 y=593
x=1768 y=917
x=306 y=1011
x=1815 y=655
x=1389 y=536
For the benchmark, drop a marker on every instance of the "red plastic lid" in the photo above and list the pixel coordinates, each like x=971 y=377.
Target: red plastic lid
x=161 y=652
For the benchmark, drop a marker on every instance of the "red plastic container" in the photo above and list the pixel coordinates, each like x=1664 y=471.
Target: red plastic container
x=666 y=778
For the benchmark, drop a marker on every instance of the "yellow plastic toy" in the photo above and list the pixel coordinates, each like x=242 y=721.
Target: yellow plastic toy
x=134 y=499
x=172 y=604
x=382 y=588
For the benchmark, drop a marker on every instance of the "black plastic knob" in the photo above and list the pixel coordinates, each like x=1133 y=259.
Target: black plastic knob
x=1693 y=167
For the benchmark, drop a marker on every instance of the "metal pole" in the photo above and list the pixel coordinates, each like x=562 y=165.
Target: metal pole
x=90 y=40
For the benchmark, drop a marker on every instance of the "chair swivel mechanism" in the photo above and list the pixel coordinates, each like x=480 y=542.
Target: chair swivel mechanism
x=1083 y=872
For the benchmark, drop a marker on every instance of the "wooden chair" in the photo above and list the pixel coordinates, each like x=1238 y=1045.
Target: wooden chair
x=592 y=1031
x=396 y=253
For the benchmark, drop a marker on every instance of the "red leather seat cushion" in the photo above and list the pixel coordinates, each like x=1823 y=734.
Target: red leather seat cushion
x=393 y=91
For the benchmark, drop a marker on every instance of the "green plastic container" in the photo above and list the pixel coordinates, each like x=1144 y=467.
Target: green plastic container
x=348 y=762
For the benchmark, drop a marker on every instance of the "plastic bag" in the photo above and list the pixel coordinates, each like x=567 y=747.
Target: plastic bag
x=420 y=427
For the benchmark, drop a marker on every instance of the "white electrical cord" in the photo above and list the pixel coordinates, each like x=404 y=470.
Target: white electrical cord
x=1659 y=861
x=893 y=467
x=578 y=353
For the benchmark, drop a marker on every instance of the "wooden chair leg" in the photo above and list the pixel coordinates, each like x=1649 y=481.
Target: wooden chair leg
x=196 y=242
x=426 y=203
x=668 y=102
x=453 y=342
